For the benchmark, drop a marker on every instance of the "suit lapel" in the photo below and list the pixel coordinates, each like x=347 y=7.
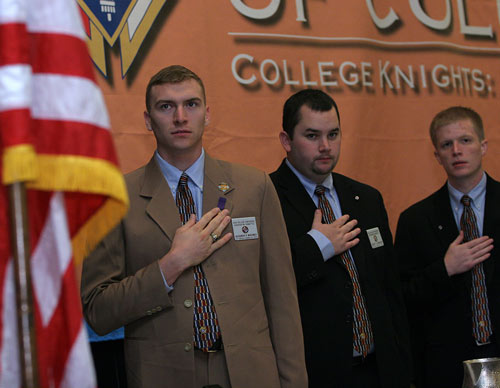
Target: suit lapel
x=443 y=221
x=162 y=204
x=296 y=194
x=216 y=186
x=350 y=200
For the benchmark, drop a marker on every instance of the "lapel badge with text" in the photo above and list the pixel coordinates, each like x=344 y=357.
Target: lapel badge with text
x=375 y=237
x=245 y=228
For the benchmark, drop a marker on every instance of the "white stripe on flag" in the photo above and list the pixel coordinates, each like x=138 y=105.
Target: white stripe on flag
x=12 y=11
x=51 y=258
x=15 y=89
x=79 y=370
x=10 y=374
x=55 y=16
x=78 y=99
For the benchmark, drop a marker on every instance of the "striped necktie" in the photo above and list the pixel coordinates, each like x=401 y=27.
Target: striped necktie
x=362 y=330
x=481 y=324
x=206 y=325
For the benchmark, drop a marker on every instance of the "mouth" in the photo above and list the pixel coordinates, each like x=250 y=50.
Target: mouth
x=325 y=158
x=459 y=163
x=181 y=132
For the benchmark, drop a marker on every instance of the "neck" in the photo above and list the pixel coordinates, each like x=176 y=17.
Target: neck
x=180 y=159
x=466 y=185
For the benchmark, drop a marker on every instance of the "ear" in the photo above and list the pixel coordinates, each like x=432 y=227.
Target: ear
x=207 y=115
x=285 y=141
x=484 y=147
x=147 y=121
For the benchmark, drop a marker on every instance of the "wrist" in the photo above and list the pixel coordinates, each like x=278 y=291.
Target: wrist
x=172 y=266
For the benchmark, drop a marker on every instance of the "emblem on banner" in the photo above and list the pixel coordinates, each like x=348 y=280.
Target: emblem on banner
x=126 y=21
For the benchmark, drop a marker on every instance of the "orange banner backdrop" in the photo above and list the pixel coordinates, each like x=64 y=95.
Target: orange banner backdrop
x=391 y=65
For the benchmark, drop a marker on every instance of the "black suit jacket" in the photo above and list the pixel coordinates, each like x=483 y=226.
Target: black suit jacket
x=325 y=289
x=439 y=306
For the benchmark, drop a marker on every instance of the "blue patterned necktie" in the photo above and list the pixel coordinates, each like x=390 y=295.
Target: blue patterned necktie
x=362 y=330
x=206 y=325
x=481 y=324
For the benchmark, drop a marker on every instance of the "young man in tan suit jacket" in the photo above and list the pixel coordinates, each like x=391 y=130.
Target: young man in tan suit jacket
x=141 y=275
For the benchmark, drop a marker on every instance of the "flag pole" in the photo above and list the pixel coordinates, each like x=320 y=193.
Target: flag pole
x=20 y=243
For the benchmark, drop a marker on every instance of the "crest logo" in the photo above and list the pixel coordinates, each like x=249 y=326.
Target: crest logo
x=126 y=21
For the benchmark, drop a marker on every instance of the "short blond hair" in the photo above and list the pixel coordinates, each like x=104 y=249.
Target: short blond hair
x=452 y=115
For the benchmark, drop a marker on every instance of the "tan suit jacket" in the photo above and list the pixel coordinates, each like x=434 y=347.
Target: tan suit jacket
x=251 y=283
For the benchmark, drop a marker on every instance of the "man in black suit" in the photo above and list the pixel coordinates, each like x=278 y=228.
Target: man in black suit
x=351 y=306
x=444 y=271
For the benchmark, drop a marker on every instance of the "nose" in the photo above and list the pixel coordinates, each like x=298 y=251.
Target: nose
x=456 y=148
x=324 y=144
x=180 y=115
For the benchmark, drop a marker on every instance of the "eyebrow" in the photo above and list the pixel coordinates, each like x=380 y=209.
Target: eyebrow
x=336 y=129
x=192 y=99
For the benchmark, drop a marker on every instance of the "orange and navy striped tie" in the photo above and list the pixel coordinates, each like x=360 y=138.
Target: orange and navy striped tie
x=481 y=324
x=362 y=330
x=206 y=325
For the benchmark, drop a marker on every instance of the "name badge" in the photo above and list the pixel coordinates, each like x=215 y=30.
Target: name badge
x=375 y=237
x=245 y=228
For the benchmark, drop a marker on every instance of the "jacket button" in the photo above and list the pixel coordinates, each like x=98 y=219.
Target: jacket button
x=188 y=303
x=348 y=318
x=188 y=347
x=348 y=285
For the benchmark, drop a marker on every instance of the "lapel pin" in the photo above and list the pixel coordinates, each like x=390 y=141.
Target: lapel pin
x=440 y=227
x=356 y=197
x=221 y=204
x=223 y=186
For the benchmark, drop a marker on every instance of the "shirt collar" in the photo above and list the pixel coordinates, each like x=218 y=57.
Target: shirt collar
x=308 y=184
x=475 y=194
x=172 y=174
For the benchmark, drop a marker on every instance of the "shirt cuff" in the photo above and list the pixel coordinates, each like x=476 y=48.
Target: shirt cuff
x=169 y=288
x=324 y=244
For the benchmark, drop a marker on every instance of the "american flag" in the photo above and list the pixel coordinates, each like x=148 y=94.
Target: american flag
x=54 y=136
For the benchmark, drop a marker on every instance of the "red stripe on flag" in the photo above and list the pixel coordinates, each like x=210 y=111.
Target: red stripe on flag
x=14 y=42
x=60 y=54
x=55 y=136
x=15 y=127
x=78 y=214
x=73 y=138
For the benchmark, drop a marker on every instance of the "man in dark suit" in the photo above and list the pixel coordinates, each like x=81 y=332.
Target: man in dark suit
x=152 y=273
x=353 y=317
x=448 y=272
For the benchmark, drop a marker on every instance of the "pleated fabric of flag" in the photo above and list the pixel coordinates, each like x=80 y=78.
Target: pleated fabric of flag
x=54 y=136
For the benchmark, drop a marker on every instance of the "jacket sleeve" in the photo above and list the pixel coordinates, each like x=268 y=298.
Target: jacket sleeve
x=110 y=297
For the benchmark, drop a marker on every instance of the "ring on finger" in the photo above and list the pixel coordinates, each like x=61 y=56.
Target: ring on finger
x=214 y=237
